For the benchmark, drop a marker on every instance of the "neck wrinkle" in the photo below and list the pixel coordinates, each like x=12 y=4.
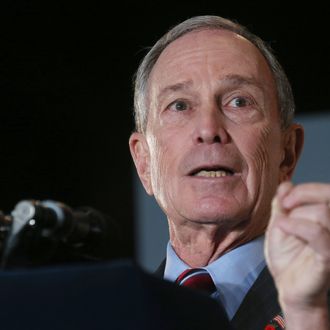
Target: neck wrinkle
x=200 y=245
x=198 y=248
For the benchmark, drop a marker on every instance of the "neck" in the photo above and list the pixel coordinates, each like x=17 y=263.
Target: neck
x=200 y=244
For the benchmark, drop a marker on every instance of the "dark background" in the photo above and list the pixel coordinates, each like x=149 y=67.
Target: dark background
x=66 y=93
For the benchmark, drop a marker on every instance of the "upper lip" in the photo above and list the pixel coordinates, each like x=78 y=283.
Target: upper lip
x=215 y=167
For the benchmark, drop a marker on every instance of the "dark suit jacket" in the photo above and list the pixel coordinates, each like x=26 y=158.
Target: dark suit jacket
x=259 y=306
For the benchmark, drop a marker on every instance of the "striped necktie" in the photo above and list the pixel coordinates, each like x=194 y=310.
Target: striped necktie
x=197 y=278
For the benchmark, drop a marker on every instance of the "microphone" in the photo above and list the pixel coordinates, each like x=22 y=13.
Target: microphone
x=43 y=232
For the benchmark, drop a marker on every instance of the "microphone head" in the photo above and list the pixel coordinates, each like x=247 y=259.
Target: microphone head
x=48 y=232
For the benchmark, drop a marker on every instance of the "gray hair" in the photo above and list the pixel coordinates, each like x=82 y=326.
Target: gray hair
x=284 y=91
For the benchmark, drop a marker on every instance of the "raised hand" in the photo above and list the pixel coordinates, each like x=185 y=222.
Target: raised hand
x=298 y=250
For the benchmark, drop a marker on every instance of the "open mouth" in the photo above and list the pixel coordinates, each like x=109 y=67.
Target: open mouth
x=213 y=172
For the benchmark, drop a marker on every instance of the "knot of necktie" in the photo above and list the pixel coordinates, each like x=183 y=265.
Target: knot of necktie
x=197 y=278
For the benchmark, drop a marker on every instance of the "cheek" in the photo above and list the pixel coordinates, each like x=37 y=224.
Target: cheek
x=261 y=150
x=160 y=167
x=156 y=163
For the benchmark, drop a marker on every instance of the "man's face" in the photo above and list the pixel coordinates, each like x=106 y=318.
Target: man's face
x=213 y=146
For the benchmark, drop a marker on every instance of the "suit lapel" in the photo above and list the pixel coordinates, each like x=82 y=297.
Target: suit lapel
x=259 y=306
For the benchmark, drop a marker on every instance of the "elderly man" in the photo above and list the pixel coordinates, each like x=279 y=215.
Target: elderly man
x=216 y=145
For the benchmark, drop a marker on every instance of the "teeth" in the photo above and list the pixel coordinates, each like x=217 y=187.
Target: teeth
x=212 y=174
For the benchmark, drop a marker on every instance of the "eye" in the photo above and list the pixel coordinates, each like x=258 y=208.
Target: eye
x=240 y=102
x=178 y=105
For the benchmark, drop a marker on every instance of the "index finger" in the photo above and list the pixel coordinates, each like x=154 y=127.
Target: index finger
x=307 y=193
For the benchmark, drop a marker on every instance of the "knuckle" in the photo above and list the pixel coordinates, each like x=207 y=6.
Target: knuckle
x=325 y=259
x=324 y=211
x=317 y=232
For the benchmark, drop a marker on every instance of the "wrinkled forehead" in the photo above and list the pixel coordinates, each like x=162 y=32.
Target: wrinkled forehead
x=223 y=51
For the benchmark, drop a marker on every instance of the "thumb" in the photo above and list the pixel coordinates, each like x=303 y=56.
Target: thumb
x=277 y=209
x=274 y=234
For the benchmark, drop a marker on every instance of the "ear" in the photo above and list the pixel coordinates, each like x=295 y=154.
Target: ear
x=293 y=142
x=140 y=153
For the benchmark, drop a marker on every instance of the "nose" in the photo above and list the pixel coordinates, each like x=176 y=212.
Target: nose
x=210 y=127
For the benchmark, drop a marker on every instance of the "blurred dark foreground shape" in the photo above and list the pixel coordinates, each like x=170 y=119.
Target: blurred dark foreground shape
x=107 y=295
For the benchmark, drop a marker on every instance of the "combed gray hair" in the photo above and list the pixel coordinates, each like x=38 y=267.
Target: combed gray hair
x=284 y=91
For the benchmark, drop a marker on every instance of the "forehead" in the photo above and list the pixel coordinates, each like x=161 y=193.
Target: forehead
x=219 y=52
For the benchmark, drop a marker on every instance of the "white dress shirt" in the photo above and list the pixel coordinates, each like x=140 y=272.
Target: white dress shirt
x=233 y=273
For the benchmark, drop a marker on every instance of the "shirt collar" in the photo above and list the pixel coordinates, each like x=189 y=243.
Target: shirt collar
x=233 y=273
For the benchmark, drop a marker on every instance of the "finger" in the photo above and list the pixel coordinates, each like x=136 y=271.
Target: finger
x=274 y=233
x=316 y=236
x=276 y=212
x=317 y=213
x=283 y=189
x=307 y=193
x=276 y=207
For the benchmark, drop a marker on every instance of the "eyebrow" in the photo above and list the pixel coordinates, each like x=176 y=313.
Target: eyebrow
x=181 y=86
x=239 y=80
x=231 y=79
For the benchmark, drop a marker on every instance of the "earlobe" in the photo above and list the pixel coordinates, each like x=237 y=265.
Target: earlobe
x=292 y=146
x=140 y=153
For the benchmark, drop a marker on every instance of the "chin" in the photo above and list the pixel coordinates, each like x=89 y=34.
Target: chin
x=222 y=208
x=222 y=217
